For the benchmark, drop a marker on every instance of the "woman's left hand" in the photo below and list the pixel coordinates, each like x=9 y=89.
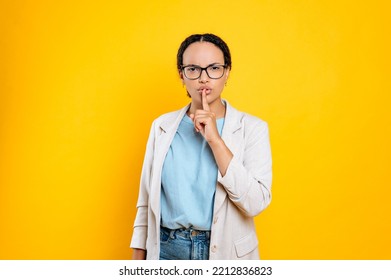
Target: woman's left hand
x=205 y=121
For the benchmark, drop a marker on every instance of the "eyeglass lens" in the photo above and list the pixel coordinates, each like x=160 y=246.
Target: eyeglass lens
x=213 y=71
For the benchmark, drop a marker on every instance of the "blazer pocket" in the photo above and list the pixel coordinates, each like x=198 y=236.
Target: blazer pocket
x=246 y=244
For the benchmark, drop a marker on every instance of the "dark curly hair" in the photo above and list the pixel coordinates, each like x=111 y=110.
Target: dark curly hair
x=207 y=37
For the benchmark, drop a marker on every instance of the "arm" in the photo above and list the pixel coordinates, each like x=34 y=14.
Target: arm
x=222 y=155
x=140 y=228
x=248 y=180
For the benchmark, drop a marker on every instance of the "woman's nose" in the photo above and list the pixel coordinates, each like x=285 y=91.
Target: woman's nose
x=203 y=77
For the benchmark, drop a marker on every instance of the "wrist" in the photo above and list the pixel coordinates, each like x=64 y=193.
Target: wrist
x=218 y=141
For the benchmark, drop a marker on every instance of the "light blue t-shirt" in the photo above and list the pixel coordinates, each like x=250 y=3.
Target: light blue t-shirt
x=189 y=179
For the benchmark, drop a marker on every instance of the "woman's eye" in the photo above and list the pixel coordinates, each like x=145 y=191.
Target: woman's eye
x=191 y=69
x=215 y=68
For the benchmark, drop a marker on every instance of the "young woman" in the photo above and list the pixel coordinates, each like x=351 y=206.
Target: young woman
x=207 y=168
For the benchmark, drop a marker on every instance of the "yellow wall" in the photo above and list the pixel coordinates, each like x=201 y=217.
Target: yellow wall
x=81 y=82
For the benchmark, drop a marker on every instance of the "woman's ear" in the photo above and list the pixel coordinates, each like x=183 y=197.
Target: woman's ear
x=227 y=74
x=181 y=76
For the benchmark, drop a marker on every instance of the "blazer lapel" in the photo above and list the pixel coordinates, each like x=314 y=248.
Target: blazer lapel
x=231 y=126
x=164 y=136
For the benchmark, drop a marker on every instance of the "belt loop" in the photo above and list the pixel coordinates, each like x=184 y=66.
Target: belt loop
x=172 y=233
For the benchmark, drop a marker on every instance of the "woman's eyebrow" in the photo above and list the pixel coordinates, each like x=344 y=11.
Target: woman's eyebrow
x=214 y=63
x=185 y=65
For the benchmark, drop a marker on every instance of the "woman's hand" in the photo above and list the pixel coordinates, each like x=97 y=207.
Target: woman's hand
x=205 y=121
x=139 y=254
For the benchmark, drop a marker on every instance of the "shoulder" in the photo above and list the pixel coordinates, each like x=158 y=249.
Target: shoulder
x=254 y=120
x=167 y=116
x=169 y=120
x=246 y=120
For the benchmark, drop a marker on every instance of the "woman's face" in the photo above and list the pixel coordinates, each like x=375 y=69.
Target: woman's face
x=204 y=54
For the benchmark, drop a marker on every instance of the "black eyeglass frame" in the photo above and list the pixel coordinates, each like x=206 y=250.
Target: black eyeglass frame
x=202 y=69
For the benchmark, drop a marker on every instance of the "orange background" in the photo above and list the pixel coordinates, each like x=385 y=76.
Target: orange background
x=81 y=82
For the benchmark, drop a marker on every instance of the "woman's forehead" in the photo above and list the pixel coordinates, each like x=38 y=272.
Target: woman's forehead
x=203 y=53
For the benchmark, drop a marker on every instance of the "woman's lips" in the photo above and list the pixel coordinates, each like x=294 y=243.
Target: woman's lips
x=207 y=90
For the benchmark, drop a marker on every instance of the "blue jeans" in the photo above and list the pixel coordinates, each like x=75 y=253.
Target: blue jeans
x=184 y=244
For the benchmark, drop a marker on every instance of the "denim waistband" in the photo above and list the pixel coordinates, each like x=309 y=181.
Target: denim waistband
x=186 y=232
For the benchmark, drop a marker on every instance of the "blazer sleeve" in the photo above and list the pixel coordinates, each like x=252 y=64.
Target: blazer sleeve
x=140 y=227
x=248 y=178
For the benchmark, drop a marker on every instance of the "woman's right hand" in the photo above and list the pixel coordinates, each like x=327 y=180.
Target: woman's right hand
x=139 y=254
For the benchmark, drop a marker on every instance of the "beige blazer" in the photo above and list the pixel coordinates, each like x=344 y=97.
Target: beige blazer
x=241 y=194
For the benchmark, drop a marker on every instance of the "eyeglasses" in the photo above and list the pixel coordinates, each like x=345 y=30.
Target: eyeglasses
x=214 y=71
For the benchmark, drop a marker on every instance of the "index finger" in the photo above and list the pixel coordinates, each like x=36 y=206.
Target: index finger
x=205 y=104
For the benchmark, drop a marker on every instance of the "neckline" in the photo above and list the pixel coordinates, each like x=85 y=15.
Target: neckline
x=187 y=119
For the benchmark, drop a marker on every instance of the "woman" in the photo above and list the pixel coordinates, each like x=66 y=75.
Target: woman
x=207 y=168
